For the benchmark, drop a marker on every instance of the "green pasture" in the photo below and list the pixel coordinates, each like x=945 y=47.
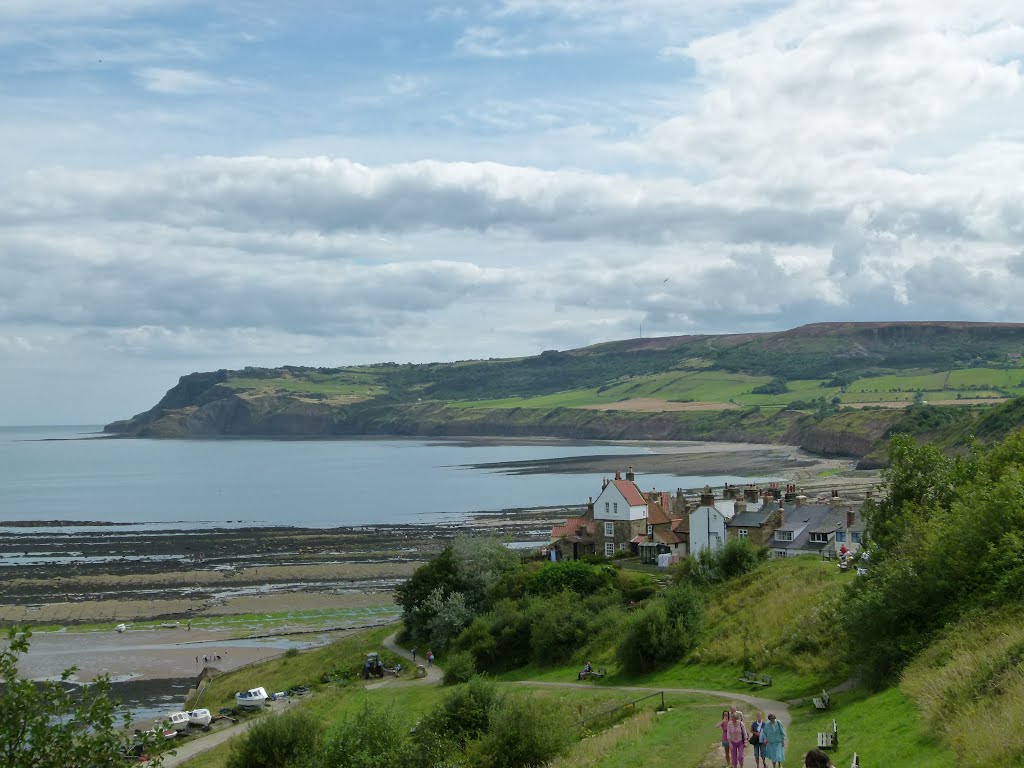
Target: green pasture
x=348 y=384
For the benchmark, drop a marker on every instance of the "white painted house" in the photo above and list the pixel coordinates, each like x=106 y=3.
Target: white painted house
x=707 y=525
x=620 y=513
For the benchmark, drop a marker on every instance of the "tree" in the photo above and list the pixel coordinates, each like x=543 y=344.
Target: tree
x=44 y=725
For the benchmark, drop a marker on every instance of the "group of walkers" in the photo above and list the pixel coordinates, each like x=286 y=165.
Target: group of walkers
x=767 y=737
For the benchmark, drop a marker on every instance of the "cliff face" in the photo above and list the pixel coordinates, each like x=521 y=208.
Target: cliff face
x=452 y=399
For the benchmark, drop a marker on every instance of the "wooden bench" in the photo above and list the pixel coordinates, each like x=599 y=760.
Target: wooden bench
x=756 y=679
x=856 y=761
x=828 y=740
x=822 y=702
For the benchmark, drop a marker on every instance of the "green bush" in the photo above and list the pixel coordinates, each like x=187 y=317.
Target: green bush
x=373 y=737
x=663 y=631
x=636 y=586
x=574 y=575
x=465 y=713
x=459 y=668
x=500 y=639
x=708 y=567
x=524 y=732
x=276 y=742
x=560 y=628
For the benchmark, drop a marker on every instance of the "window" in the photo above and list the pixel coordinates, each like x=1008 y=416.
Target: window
x=855 y=537
x=609 y=549
x=783 y=535
x=780 y=553
x=742 y=533
x=606 y=505
x=819 y=538
x=841 y=536
x=650 y=529
x=622 y=545
x=609 y=530
x=615 y=507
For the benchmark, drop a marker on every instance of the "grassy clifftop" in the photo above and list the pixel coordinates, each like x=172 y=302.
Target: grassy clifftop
x=834 y=388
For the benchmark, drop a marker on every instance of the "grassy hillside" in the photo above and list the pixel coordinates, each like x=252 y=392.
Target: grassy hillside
x=684 y=387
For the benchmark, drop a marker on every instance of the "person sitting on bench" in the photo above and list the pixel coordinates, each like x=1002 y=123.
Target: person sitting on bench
x=585 y=672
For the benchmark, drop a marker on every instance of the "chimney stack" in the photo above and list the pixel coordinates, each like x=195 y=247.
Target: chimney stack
x=790 y=496
x=740 y=506
x=618 y=475
x=590 y=506
x=750 y=494
x=782 y=516
x=707 y=498
x=629 y=475
x=800 y=499
x=851 y=518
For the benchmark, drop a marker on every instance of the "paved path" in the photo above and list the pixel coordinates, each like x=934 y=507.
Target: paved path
x=208 y=741
x=715 y=757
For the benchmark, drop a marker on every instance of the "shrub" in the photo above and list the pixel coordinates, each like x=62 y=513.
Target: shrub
x=574 y=575
x=661 y=632
x=560 y=628
x=465 y=713
x=500 y=639
x=373 y=737
x=459 y=668
x=636 y=586
x=276 y=742
x=525 y=732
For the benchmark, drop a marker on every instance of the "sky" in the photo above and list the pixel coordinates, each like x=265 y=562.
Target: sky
x=189 y=186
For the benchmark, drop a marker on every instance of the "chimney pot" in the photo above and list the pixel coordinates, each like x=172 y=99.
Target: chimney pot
x=618 y=475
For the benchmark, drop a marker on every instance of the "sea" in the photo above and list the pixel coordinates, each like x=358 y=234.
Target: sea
x=73 y=473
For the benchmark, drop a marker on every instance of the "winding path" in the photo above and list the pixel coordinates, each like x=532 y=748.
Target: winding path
x=434 y=676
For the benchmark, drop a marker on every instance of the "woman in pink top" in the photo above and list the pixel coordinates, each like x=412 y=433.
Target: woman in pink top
x=725 y=737
x=737 y=736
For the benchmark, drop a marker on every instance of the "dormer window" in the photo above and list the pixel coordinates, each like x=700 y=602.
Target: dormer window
x=819 y=538
x=783 y=535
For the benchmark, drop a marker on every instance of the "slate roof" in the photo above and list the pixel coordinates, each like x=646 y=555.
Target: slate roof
x=807 y=519
x=749 y=519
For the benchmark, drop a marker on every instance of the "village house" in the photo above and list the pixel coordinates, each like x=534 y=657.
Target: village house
x=812 y=528
x=663 y=529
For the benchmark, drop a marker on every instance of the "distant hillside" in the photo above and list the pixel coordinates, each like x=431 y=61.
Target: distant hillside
x=835 y=388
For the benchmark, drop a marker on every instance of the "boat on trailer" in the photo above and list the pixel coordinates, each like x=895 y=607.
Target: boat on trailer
x=254 y=698
x=199 y=718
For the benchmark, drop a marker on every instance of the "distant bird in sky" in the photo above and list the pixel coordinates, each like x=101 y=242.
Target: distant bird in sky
x=664 y=281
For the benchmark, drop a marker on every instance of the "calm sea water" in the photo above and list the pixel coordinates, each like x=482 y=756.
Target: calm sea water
x=46 y=476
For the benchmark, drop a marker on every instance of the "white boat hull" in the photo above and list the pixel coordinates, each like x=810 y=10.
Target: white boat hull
x=178 y=721
x=199 y=718
x=254 y=698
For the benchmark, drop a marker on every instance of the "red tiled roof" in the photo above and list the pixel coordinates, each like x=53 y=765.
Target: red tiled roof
x=681 y=525
x=638 y=539
x=571 y=527
x=630 y=492
x=656 y=515
x=667 y=537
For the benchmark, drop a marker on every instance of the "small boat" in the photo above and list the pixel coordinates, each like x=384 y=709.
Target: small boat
x=254 y=698
x=199 y=718
x=121 y=628
x=169 y=733
x=178 y=721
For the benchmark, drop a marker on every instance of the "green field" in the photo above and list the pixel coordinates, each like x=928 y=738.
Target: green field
x=348 y=384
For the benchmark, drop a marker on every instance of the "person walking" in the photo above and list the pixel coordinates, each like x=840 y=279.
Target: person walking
x=414 y=654
x=737 y=734
x=757 y=741
x=724 y=724
x=775 y=741
x=430 y=658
